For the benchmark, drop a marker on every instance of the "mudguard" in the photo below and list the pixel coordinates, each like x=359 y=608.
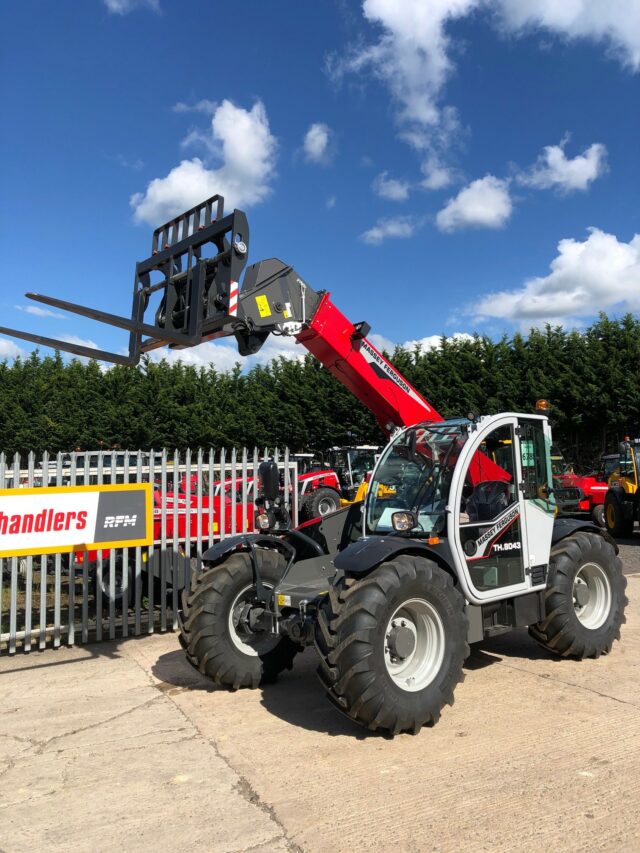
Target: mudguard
x=244 y=541
x=361 y=557
x=563 y=527
x=292 y=543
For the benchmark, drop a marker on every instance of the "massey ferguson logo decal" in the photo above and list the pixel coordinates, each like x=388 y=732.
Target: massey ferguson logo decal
x=383 y=368
x=479 y=548
x=120 y=521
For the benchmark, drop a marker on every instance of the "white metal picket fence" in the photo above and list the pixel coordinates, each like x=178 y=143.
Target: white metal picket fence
x=199 y=497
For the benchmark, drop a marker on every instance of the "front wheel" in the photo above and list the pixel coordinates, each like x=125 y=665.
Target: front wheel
x=585 y=598
x=618 y=524
x=392 y=645
x=216 y=626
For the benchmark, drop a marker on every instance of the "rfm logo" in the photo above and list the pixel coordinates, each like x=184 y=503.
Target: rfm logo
x=120 y=521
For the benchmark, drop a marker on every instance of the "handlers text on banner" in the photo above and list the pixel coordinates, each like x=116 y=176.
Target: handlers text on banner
x=47 y=520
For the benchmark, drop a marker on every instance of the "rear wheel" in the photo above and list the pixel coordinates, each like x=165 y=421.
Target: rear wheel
x=597 y=515
x=585 y=598
x=216 y=627
x=114 y=580
x=392 y=645
x=320 y=502
x=617 y=523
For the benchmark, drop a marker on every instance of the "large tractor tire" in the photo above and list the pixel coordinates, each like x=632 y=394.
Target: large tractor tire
x=392 y=645
x=214 y=629
x=585 y=598
x=618 y=523
x=320 y=502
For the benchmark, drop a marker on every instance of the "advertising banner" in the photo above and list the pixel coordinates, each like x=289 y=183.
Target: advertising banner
x=49 y=520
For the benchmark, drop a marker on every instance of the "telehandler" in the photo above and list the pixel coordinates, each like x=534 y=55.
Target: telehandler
x=622 y=500
x=449 y=546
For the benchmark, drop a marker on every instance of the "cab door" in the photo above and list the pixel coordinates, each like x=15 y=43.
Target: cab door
x=486 y=523
x=534 y=438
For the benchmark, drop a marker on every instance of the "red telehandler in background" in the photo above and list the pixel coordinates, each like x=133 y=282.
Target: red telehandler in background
x=448 y=547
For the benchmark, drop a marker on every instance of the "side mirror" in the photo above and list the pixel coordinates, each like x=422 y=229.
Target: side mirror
x=269 y=477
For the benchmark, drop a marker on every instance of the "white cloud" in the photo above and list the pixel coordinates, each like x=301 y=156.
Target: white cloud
x=223 y=355
x=85 y=342
x=436 y=175
x=381 y=343
x=9 y=350
x=203 y=106
x=330 y=202
x=316 y=143
x=435 y=341
x=616 y=23
x=390 y=188
x=484 y=203
x=123 y=161
x=411 y=58
x=246 y=148
x=412 y=53
x=599 y=274
x=396 y=226
x=423 y=344
x=553 y=169
x=123 y=7
x=40 y=312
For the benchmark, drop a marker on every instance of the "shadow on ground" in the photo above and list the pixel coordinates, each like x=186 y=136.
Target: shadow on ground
x=298 y=697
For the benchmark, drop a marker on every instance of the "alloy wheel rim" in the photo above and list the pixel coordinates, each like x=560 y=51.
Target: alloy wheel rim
x=326 y=506
x=246 y=641
x=416 y=669
x=592 y=596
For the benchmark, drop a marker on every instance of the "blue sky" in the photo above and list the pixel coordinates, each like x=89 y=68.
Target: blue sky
x=444 y=167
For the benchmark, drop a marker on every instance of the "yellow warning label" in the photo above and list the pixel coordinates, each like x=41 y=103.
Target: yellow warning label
x=263 y=306
x=284 y=600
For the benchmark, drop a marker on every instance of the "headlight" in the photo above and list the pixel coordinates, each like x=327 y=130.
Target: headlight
x=403 y=521
x=262 y=521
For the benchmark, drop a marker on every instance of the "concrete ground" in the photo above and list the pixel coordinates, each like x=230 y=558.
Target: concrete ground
x=125 y=747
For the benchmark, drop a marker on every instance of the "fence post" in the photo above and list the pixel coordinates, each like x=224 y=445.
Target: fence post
x=200 y=513
x=13 y=602
x=3 y=484
x=151 y=549
x=163 y=539
x=71 y=634
x=176 y=532
x=125 y=565
x=222 y=530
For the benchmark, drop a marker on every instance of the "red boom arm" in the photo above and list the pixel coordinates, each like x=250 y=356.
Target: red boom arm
x=360 y=367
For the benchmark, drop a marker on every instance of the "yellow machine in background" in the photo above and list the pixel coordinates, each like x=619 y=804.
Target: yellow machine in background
x=622 y=502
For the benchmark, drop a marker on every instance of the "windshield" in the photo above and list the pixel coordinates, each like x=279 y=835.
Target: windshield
x=415 y=474
x=362 y=461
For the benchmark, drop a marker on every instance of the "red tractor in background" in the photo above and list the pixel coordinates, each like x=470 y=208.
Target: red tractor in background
x=592 y=488
x=327 y=481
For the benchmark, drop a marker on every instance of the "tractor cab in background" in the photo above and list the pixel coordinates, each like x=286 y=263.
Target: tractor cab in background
x=352 y=465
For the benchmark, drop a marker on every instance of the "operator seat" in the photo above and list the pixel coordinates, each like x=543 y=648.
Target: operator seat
x=488 y=500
